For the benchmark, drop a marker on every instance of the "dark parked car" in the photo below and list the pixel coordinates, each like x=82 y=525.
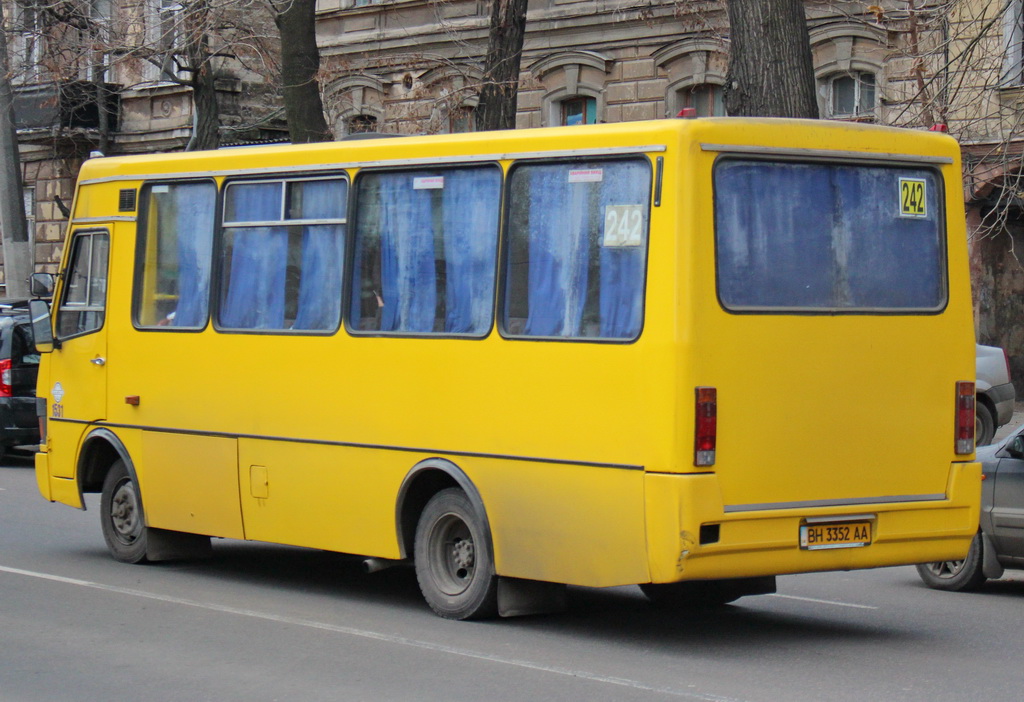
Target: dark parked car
x=19 y=366
x=1000 y=540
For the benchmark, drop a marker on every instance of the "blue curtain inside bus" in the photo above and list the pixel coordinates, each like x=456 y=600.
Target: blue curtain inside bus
x=194 y=205
x=827 y=237
x=323 y=246
x=254 y=297
x=428 y=280
x=569 y=210
x=558 y=253
x=470 y=215
x=408 y=285
x=622 y=267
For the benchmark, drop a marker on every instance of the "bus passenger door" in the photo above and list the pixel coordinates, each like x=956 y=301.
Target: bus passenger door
x=78 y=380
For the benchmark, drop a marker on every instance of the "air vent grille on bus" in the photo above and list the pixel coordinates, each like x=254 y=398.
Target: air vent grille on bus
x=126 y=201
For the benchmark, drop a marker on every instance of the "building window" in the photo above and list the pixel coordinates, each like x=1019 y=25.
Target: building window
x=461 y=120
x=163 y=33
x=852 y=96
x=361 y=124
x=705 y=98
x=579 y=110
x=1013 y=38
x=29 y=196
x=28 y=41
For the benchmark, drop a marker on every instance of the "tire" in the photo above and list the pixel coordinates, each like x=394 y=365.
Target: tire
x=121 y=516
x=984 y=425
x=454 y=565
x=698 y=594
x=956 y=576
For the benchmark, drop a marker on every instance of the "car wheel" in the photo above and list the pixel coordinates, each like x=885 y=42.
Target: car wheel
x=955 y=576
x=454 y=565
x=984 y=425
x=121 y=516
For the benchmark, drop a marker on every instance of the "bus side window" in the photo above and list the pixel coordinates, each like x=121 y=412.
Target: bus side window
x=577 y=249
x=83 y=304
x=175 y=254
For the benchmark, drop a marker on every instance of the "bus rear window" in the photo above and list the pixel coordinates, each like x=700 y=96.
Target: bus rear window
x=829 y=238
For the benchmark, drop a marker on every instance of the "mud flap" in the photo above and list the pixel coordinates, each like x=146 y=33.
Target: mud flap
x=518 y=597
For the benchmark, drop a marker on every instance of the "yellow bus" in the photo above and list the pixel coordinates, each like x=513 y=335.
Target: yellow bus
x=686 y=354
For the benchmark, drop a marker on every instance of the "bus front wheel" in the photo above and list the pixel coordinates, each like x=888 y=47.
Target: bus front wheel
x=121 y=516
x=454 y=564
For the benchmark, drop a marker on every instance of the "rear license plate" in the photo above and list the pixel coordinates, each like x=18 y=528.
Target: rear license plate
x=835 y=535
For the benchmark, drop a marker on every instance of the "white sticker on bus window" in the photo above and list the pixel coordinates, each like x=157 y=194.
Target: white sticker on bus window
x=913 y=197
x=161 y=189
x=586 y=175
x=623 y=225
x=428 y=183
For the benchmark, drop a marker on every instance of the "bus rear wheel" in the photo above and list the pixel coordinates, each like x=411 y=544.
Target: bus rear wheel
x=454 y=565
x=121 y=516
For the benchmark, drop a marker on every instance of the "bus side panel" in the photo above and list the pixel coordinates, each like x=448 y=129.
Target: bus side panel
x=330 y=497
x=190 y=483
x=568 y=524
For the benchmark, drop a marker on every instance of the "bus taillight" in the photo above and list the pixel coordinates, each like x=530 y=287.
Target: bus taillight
x=706 y=427
x=964 y=417
x=5 y=377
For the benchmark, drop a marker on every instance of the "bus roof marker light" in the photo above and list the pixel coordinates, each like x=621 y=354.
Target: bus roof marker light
x=687 y=113
x=705 y=432
x=938 y=128
x=965 y=418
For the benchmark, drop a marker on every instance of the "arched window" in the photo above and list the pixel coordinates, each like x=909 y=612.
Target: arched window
x=851 y=95
x=361 y=124
x=705 y=98
x=578 y=110
x=695 y=69
x=574 y=87
x=848 y=65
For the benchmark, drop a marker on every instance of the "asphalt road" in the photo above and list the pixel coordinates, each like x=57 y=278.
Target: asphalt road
x=261 y=623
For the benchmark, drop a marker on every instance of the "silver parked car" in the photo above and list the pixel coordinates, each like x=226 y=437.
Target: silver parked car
x=1000 y=540
x=995 y=395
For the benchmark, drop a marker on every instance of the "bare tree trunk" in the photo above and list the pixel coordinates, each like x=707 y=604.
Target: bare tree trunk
x=17 y=249
x=300 y=63
x=770 y=70
x=499 y=96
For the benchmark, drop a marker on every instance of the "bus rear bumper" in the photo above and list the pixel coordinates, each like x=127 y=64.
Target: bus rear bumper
x=692 y=537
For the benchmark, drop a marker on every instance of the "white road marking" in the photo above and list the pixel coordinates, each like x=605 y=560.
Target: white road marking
x=377 y=636
x=828 y=602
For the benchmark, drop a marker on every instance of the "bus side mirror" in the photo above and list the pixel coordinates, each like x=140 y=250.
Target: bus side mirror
x=41 y=284
x=42 y=331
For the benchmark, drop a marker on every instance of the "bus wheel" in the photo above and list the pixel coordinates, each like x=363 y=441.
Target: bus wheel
x=454 y=565
x=957 y=576
x=124 y=526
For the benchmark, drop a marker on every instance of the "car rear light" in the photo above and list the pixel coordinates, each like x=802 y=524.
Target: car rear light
x=1006 y=360
x=5 y=377
x=705 y=432
x=965 y=417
